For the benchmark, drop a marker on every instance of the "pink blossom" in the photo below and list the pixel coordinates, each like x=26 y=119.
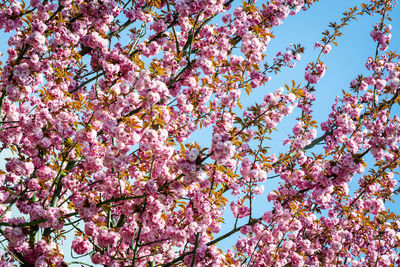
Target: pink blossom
x=81 y=245
x=327 y=48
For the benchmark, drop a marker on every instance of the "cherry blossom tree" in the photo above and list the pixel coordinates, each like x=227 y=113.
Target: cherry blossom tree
x=100 y=97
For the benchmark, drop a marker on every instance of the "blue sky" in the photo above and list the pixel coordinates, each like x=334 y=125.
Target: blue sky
x=344 y=63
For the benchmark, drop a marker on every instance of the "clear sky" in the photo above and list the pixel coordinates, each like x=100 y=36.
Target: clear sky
x=344 y=63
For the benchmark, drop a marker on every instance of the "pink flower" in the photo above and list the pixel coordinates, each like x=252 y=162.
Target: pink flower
x=327 y=48
x=13 y=92
x=81 y=245
x=206 y=66
x=94 y=40
x=336 y=246
x=226 y=18
x=36 y=40
x=159 y=26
